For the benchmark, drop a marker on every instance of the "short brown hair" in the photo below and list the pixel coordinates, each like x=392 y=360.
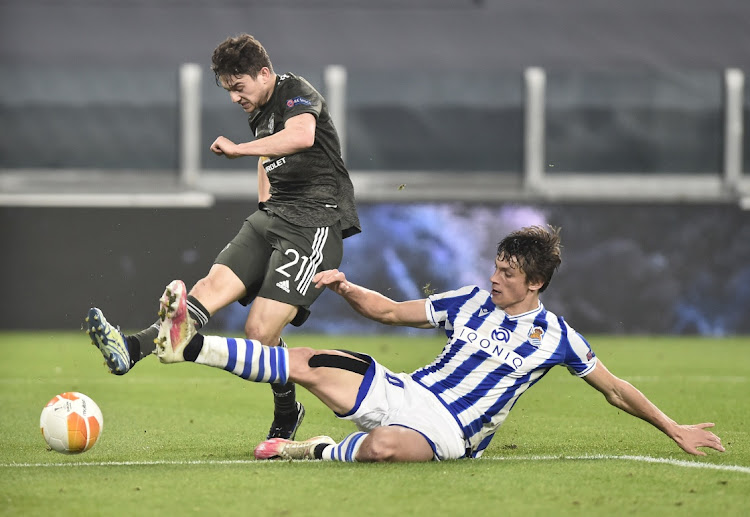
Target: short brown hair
x=239 y=55
x=534 y=249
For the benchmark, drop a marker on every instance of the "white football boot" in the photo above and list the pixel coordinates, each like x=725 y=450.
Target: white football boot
x=177 y=327
x=290 y=450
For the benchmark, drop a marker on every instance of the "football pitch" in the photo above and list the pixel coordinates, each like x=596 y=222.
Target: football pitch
x=179 y=439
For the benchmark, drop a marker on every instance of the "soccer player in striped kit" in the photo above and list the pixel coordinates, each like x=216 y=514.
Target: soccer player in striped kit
x=500 y=343
x=306 y=208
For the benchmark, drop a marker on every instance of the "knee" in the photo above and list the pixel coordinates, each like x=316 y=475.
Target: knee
x=299 y=368
x=300 y=355
x=202 y=286
x=378 y=446
x=259 y=332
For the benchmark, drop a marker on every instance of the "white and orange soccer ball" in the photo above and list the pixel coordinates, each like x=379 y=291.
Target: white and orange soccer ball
x=71 y=423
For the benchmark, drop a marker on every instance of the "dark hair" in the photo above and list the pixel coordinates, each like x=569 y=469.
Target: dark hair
x=239 y=55
x=534 y=249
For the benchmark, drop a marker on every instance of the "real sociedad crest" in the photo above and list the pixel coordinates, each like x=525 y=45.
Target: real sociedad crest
x=535 y=336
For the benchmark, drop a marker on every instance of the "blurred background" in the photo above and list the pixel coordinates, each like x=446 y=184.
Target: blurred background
x=462 y=120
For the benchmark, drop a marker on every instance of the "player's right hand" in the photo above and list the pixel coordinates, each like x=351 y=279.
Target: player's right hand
x=224 y=146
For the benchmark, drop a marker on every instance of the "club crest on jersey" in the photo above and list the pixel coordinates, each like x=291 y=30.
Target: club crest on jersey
x=270 y=124
x=297 y=101
x=535 y=336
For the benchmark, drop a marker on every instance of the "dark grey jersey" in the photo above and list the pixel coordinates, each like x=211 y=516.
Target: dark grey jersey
x=312 y=187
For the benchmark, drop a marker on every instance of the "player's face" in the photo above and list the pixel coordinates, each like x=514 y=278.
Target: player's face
x=249 y=92
x=511 y=291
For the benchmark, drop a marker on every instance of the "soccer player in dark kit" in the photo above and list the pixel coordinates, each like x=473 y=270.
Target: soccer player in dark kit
x=306 y=209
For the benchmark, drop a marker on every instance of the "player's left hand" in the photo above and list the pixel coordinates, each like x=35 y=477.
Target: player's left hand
x=690 y=437
x=333 y=279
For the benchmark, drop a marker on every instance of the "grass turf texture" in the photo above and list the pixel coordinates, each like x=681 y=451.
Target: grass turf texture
x=178 y=439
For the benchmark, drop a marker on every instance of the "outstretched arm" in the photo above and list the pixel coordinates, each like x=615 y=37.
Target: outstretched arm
x=372 y=304
x=625 y=396
x=298 y=134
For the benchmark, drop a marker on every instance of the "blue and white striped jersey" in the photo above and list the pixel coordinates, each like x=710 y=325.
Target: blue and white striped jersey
x=491 y=358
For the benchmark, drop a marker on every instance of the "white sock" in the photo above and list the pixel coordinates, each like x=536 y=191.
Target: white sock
x=246 y=358
x=346 y=450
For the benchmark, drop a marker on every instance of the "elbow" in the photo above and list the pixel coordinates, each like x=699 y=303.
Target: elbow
x=386 y=318
x=307 y=141
x=617 y=395
x=614 y=399
x=304 y=140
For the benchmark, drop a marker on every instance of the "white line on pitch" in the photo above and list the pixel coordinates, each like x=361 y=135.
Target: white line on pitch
x=645 y=459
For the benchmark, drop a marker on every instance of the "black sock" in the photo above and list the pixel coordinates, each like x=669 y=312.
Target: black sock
x=198 y=312
x=318 y=451
x=284 y=401
x=142 y=343
x=193 y=348
x=284 y=398
x=200 y=316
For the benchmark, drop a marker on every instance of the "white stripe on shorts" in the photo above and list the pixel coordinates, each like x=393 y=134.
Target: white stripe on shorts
x=316 y=258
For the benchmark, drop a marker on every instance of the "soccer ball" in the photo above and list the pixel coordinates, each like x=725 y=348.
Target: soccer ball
x=71 y=423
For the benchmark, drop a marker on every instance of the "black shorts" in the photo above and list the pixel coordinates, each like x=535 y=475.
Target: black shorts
x=276 y=259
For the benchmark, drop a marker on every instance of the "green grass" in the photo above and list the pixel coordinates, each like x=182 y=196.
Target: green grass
x=178 y=439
